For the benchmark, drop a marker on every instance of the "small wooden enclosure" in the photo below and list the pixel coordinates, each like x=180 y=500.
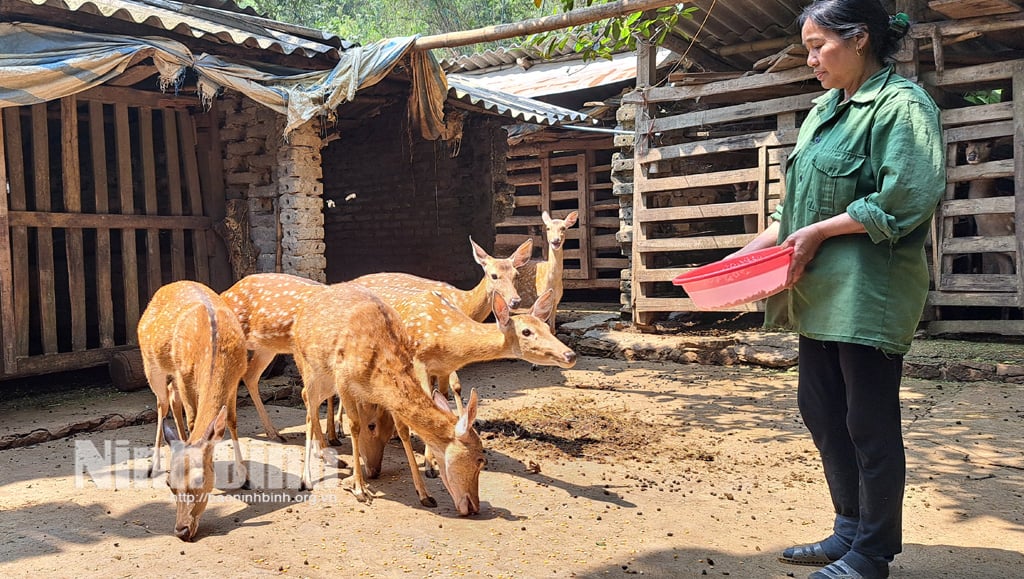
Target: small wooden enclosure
x=559 y=175
x=104 y=205
x=710 y=153
x=707 y=184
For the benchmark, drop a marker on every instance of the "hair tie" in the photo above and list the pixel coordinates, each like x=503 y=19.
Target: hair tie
x=899 y=24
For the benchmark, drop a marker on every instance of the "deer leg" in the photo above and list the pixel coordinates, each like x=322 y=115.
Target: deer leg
x=312 y=425
x=257 y=365
x=159 y=385
x=356 y=482
x=241 y=472
x=332 y=427
x=417 y=478
x=177 y=409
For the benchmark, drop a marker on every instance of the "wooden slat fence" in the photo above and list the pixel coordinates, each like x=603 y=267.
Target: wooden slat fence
x=103 y=206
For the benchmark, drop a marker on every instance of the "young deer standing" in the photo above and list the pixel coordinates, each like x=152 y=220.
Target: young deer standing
x=266 y=305
x=989 y=224
x=538 y=276
x=187 y=332
x=345 y=340
x=499 y=276
x=445 y=340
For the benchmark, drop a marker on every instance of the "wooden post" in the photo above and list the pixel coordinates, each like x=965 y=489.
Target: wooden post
x=646 y=76
x=1018 y=176
x=535 y=25
x=7 y=328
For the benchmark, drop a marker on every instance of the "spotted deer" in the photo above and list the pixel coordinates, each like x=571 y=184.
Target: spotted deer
x=499 y=276
x=266 y=305
x=989 y=224
x=346 y=341
x=189 y=334
x=539 y=275
x=445 y=340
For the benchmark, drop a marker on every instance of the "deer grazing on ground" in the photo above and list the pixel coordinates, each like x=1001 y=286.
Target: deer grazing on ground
x=266 y=305
x=538 y=276
x=989 y=224
x=445 y=340
x=499 y=276
x=187 y=332
x=346 y=341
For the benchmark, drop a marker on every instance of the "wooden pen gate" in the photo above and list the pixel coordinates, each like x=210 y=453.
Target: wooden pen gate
x=706 y=180
x=103 y=206
x=975 y=268
x=559 y=177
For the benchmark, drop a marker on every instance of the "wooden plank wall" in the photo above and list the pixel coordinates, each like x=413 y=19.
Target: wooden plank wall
x=561 y=176
x=707 y=186
x=104 y=206
x=963 y=275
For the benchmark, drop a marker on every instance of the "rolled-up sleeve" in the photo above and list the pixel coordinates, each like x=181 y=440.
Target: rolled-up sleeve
x=908 y=158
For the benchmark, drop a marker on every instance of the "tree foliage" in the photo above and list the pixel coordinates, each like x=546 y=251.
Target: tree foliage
x=604 y=38
x=364 y=22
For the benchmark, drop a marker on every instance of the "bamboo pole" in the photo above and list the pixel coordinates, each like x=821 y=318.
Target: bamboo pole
x=535 y=25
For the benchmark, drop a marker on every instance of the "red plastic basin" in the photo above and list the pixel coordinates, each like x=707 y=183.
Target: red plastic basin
x=737 y=280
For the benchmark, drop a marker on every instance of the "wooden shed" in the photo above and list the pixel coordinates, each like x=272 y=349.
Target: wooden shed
x=155 y=151
x=711 y=144
x=560 y=169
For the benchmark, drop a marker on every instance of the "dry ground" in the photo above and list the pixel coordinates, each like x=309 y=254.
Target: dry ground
x=612 y=468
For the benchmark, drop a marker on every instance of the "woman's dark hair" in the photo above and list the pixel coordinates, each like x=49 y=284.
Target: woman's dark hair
x=847 y=18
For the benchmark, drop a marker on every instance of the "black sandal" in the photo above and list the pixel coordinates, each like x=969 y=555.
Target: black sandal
x=813 y=554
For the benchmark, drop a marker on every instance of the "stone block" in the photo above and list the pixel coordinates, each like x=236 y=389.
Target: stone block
x=624 y=141
x=622 y=189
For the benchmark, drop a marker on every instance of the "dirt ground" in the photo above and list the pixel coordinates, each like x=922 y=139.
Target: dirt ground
x=611 y=468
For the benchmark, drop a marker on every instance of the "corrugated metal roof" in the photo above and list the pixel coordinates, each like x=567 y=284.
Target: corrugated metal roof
x=549 y=78
x=740 y=22
x=227 y=25
x=509 y=105
x=729 y=23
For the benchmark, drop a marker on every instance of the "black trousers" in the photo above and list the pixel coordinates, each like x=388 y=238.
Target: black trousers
x=849 y=399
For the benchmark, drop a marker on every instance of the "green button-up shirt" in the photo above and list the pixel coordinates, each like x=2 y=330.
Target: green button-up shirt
x=880 y=158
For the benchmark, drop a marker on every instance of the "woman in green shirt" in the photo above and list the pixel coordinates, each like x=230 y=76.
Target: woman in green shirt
x=862 y=183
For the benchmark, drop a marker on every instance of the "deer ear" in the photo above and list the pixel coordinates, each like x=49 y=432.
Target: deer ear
x=215 y=431
x=544 y=304
x=479 y=254
x=468 y=415
x=545 y=218
x=500 y=308
x=441 y=402
x=571 y=218
x=523 y=253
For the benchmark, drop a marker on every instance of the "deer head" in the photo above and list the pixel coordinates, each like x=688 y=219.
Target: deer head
x=554 y=229
x=500 y=274
x=977 y=152
x=463 y=457
x=191 y=478
x=530 y=335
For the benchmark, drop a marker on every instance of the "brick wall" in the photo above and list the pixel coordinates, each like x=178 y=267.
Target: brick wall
x=396 y=202
x=280 y=180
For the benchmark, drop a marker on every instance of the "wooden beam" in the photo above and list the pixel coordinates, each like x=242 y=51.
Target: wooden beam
x=536 y=25
x=50 y=220
x=15 y=156
x=129 y=259
x=8 y=327
x=71 y=171
x=135 y=97
x=754 y=81
x=100 y=180
x=44 y=239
